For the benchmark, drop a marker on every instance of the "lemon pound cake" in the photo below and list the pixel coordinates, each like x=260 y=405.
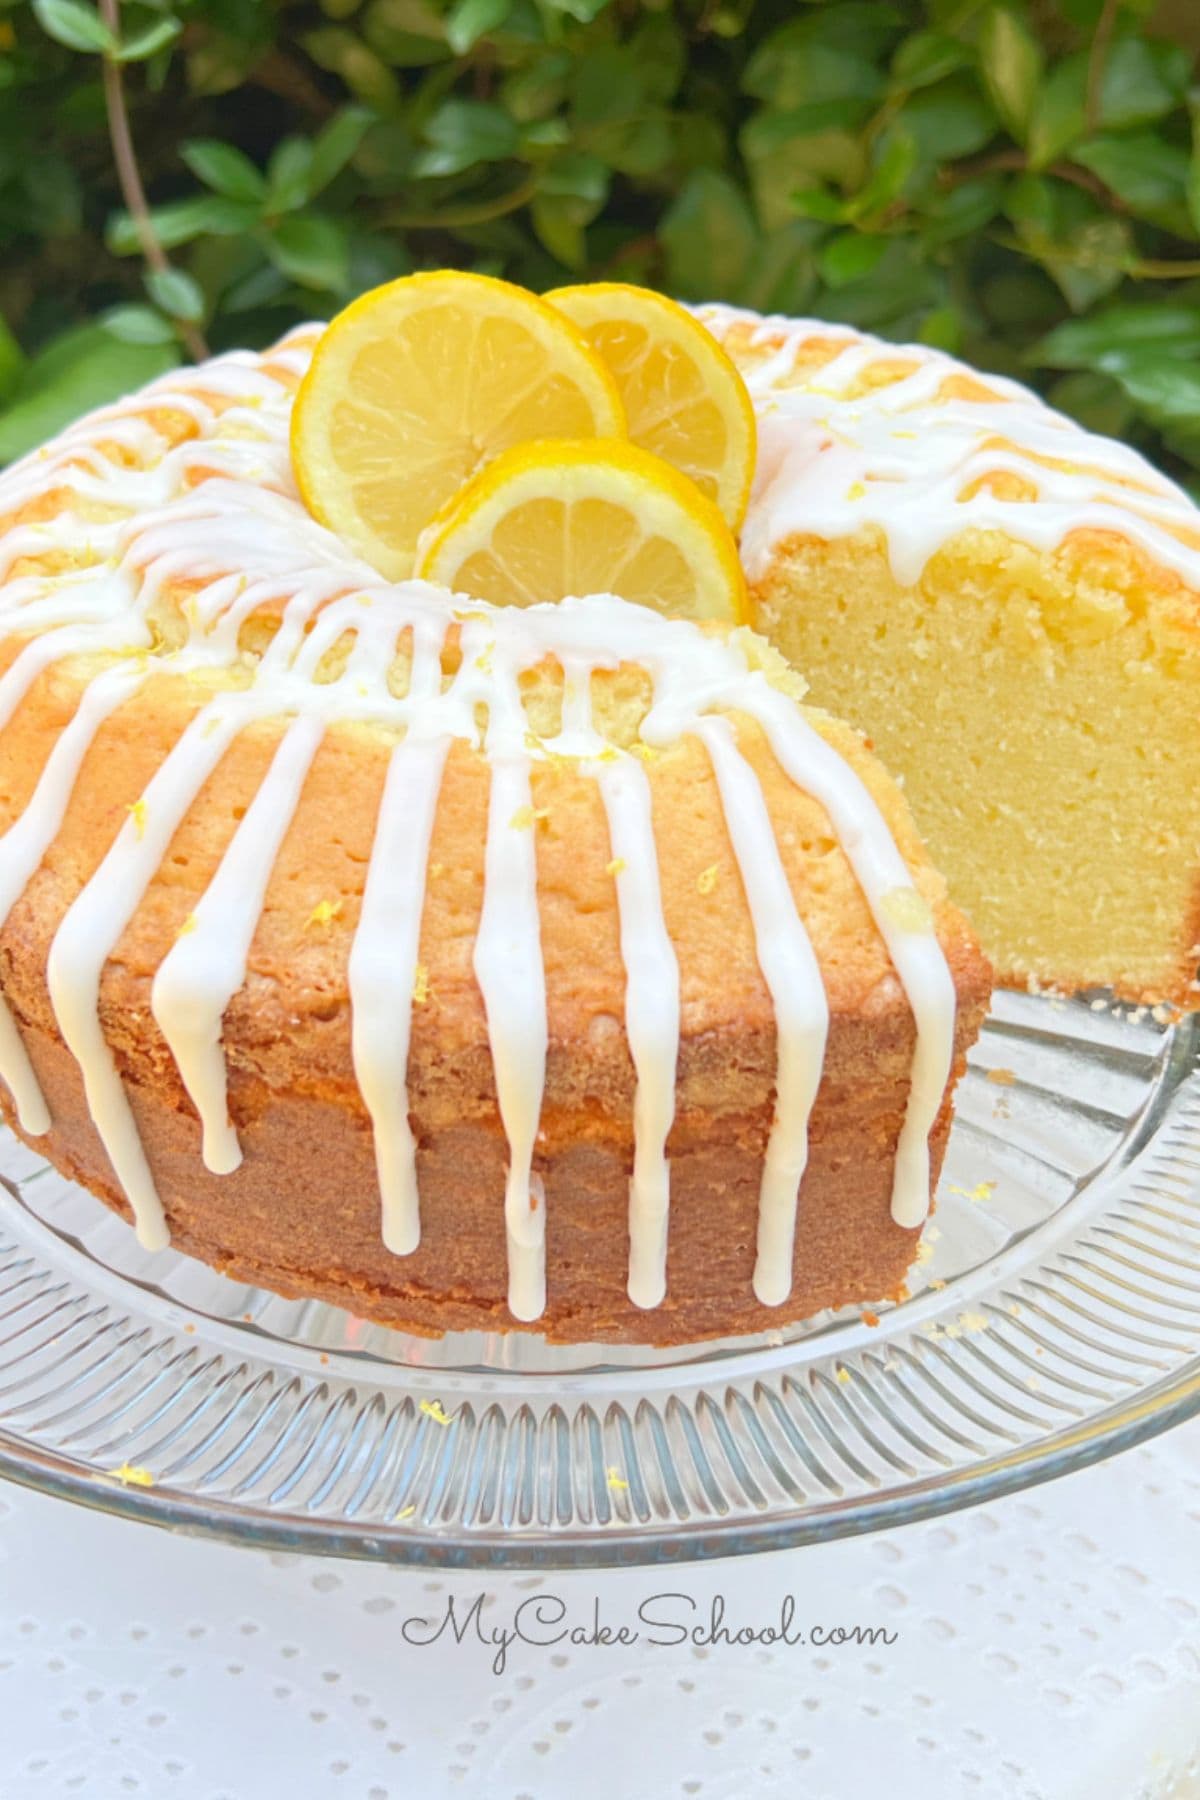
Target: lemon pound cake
x=1010 y=607
x=467 y=966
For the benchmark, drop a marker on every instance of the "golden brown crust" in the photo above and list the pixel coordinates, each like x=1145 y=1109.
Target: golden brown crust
x=302 y=1214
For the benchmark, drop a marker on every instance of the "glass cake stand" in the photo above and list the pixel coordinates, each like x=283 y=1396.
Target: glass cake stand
x=1055 y=1320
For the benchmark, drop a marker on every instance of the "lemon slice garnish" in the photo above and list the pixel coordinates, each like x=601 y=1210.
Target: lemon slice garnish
x=684 y=399
x=417 y=385
x=549 y=520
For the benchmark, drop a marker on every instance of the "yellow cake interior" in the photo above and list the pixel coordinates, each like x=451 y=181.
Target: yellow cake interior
x=1044 y=715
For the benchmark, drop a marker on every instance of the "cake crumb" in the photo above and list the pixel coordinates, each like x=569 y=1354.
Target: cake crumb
x=924 y=1253
x=137 y=811
x=983 y=1190
x=843 y=1375
x=406 y=1512
x=434 y=1410
x=615 y=1479
x=870 y=1318
x=132 y=1475
x=324 y=912
x=706 y=881
x=645 y=751
x=617 y=866
x=188 y=926
x=1001 y=1077
x=420 y=986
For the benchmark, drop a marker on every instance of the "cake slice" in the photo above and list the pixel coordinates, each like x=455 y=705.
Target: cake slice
x=1010 y=607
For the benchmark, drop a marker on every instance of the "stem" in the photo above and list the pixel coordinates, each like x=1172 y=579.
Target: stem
x=1097 y=57
x=129 y=175
x=479 y=212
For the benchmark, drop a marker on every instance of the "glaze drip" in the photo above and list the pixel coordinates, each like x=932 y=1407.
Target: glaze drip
x=217 y=512
x=908 y=440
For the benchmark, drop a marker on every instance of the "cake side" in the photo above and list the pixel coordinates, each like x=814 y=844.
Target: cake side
x=992 y=592
x=301 y=1213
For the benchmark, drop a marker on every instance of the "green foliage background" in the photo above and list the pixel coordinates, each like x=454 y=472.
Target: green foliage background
x=1018 y=182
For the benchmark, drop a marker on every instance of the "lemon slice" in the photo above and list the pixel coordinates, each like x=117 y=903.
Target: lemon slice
x=417 y=385
x=548 y=520
x=683 y=397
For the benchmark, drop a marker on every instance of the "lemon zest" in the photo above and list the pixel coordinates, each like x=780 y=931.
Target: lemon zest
x=434 y=1410
x=132 y=1475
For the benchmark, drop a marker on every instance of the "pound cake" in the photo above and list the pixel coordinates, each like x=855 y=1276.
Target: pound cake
x=467 y=966
x=1010 y=607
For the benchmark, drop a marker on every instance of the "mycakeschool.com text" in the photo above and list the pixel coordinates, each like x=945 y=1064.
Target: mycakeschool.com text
x=546 y=1622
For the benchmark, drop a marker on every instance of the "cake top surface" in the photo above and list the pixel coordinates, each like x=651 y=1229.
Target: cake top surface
x=855 y=432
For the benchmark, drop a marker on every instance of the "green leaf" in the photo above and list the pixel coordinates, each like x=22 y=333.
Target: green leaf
x=961 y=211
x=894 y=165
x=1059 y=115
x=181 y=222
x=946 y=121
x=362 y=66
x=849 y=257
x=147 y=43
x=288 y=175
x=1144 y=171
x=786 y=152
x=1116 y=335
x=1010 y=61
x=224 y=169
x=137 y=325
x=462 y=133
x=709 y=237
x=85 y=368
x=12 y=360
x=1167 y=391
x=335 y=144
x=1142 y=81
x=77 y=26
x=177 y=293
x=829 y=54
x=926 y=57
x=1097 y=401
x=471 y=19
x=312 y=250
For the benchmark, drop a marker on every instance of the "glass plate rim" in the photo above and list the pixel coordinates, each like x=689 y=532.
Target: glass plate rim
x=731 y=1527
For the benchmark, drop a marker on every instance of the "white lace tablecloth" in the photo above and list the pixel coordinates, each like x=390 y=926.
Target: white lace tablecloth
x=1047 y=1647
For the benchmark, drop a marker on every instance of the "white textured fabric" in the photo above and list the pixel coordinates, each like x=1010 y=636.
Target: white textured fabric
x=1048 y=1649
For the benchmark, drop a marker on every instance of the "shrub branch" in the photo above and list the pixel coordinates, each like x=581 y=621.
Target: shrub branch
x=130 y=178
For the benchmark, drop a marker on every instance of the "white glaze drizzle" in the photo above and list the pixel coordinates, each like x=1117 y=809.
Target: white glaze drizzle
x=219 y=509
x=793 y=978
x=833 y=462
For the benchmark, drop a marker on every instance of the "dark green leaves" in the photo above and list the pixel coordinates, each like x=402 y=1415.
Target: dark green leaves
x=1015 y=179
